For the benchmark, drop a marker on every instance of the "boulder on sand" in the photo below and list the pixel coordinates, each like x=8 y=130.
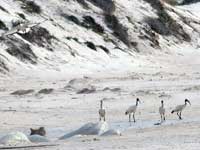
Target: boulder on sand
x=14 y=138
x=37 y=138
x=88 y=129
x=111 y=132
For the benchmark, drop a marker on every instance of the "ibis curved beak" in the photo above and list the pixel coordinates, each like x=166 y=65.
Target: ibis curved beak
x=188 y=102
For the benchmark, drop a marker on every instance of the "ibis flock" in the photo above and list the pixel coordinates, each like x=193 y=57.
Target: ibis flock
x=132 y=110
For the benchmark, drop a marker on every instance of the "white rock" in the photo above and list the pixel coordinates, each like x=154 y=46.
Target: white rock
x=111 y=132
x=37 y=138
x=14 y=138
x=88 y=129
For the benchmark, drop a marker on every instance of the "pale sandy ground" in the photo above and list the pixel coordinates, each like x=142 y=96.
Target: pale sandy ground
x=171 y=78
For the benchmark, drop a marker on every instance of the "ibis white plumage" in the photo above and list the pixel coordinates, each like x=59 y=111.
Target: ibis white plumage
x=102 y=112
x=178 y=109
x=162 y=111
x=132 y=110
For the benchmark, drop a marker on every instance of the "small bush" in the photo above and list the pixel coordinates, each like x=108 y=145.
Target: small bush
x=158 y=26
x=71 y=18
x=46 y=91
x=3 y=26
x=118 y=29
x=91 y=45
x=22 y=92
x=186 y=2
x=3 y=9
x=83 y=3
x=19 y=49
x=40 y=36
x=31 y=7
x=72 y=38
x=87 y=90
x=89 y=22
x=171 y=2
x=22 y=16
x=165 y=24
x=156 y=4
x=104 y=49
x=108 y=6
x=3 y=66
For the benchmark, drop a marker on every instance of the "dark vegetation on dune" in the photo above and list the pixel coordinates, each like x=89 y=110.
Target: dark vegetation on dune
x=22 y=92
x=83 y=3
x=30 y=6
x=112 y=22
x=108 y=6
x=118 y=29
x=3 y=66
x=3 y=26
x=186 y=2
x=39 y=36
x=46 y=91
x=104 y=49
x=91 y=45
x=88 y=90
x=21 y=15
x=71 y=18
x=3 y=9
x=88 y=22
x=19 y=49
x=165 y=24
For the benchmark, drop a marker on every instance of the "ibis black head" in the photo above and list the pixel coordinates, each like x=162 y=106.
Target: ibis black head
x=137 y=100
x=187 y=101
x=162 y=101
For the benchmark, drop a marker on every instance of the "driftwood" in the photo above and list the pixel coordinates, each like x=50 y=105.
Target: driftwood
x=28 y=146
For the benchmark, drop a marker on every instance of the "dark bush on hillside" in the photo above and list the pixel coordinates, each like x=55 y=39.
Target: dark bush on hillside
x=156 y=4
x=87 y=90
x=3 y=67
x=19 y=49
x=22 y=92
x=3 y=9
x=165 y=24
x=71 y=18
x=152 y=37
x=72 y=38
x=186 y=2
x=22 y=16
x=39 y=36
x=118 y=29
x=91 y=45
x=83 y=3
x=89 y=22
x=3 y=26
x=172 y=2
x=157 y=26
x=46 y=91
x=31 y=7
x=104 y=49
x=108 y=6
